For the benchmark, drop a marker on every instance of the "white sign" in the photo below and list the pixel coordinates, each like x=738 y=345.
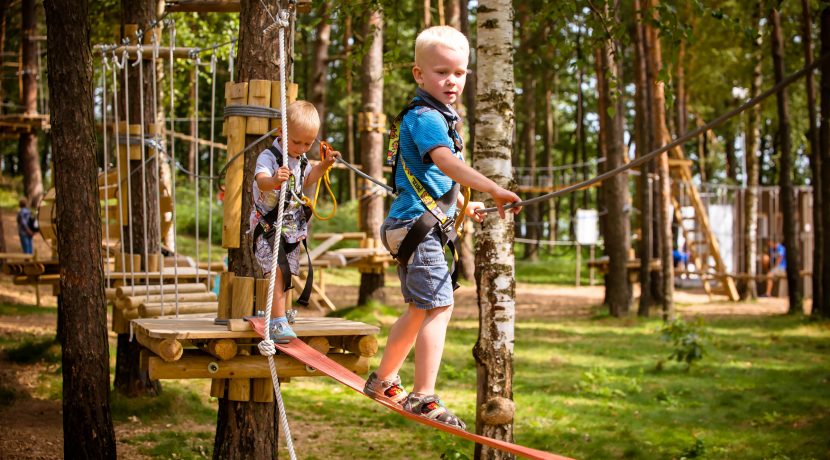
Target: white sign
x=587 y=226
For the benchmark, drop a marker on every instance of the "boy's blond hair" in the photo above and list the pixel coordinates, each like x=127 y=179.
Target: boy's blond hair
x=303 y=116
x=440 y=35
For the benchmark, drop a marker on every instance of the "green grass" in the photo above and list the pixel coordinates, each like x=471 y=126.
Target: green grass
x=586 y=388
x=8 y=309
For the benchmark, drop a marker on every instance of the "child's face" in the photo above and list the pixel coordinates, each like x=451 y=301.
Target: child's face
x=299 y=141
x=442 y=73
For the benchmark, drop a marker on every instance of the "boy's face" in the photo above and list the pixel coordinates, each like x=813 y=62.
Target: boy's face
x=442 y=73
x=299 y=141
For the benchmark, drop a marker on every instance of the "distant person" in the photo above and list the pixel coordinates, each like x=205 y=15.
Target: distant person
x=778 y=262
x=24 y=226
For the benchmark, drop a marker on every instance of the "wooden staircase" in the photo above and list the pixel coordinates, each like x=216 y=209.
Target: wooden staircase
x=703 y=247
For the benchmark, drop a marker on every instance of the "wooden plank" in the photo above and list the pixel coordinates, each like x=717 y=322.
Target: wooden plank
x=259 y=94
x=225 y=294
x=345 y=235
x=235 y=94
x=155 y=310
x=167 y=349
x=325 y=245
x=262 y=390
x=154 y=289
x=291 y=90
x=204 y=328
x=168 y=298
x=223 y=349
x=242 y=302
x=199 y=366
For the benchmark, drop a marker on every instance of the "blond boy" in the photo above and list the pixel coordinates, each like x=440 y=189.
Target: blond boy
x=428 y=153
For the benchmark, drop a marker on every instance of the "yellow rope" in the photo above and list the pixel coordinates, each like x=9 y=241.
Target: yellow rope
x=326 y=180
x=461 y=215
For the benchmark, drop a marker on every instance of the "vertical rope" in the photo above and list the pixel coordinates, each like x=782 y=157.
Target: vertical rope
x=157 y=170
x=173 y=169
x=143 y=129
x=274 y=250
x=212 y=136
x=126 y=64
x=104 y=67
x=119 y=192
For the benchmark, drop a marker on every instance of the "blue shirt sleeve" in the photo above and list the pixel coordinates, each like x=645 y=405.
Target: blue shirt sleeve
x=429 y=132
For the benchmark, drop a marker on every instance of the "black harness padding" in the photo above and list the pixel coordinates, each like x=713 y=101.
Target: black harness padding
x=266 y=228
x=428 y=221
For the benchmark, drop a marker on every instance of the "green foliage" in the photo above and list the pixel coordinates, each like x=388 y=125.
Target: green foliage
x=607 y=384
x=186 y=214
x=689 y=340
x=184 y=445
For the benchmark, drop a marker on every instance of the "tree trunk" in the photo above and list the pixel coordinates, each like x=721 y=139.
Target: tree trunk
x=247 y=429
x=643 y=135
x=454 y=13
x=428 y=13
x=27 y=147
x=615 y=190
x=823 y=308
x=87 y=423
x=581 y=141
x=193 y=151
x=659 y=133
x=788 y=203
x=731 y=159
x=533 y=227
x=4 y=15
x=371 y=146
x=495 y=272
x=550 y=80
x=749 y=289
x=815 y=156
x=466 y=265
x=350 y=156
x=680 y=85
x=130 y=379
x=320 y=65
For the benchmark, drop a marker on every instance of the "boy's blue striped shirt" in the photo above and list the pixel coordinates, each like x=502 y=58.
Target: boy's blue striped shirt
x=422 y=130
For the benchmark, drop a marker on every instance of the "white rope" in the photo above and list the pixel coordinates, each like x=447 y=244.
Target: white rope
x=278 y=235
x=104 y=67
x=142 y=127
x=196 y=63
x=119 y=195
x=173 y=170
x=126 y=65
x=157 y=169
x=210 y=181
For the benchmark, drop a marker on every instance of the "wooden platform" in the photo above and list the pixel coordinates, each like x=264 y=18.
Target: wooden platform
x=20 y=123
x=183 y=274
x=204 y=328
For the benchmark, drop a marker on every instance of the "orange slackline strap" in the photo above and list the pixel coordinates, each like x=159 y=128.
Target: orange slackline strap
x=311 y=357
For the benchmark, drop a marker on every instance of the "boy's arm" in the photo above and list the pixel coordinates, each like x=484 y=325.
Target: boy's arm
x=267 y=182
x=458 y=171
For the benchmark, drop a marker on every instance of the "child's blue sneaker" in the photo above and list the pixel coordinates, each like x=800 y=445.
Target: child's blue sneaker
x=280 y=331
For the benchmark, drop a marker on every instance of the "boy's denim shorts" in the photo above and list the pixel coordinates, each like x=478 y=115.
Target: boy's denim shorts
x=425 y=280
x=263 y=253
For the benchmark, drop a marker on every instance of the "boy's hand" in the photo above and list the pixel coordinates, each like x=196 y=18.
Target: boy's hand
x=471 y=211
x=330 y=158
x=503 y=197
x=282 y=175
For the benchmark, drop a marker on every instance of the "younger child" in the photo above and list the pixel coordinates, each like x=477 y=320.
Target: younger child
x=24 y=228
x=270 y=173
x=429 y=158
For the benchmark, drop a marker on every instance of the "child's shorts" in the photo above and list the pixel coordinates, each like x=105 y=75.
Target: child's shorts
x=425 y=280
x=263 y=256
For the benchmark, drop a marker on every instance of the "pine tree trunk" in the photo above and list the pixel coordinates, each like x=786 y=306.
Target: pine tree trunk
x=749 y=288
x=130 y=379
x=815 y=157
x=495 y=273
x=27 y=147
x=87 y=423
x=680 y=85
x=349 y=135
x=615 y=191
x=788 y=203
x=531 y=250
x=371 y=143
x=320 y=65
x=659 y=133
x=823 y=308
x=247 y=429
x=643 y=135
x=4 y=16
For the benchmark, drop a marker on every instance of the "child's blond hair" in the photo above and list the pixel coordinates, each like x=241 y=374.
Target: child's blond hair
x=303 y=116
x=440 y=35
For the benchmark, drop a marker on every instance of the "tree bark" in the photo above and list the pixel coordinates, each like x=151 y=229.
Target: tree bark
x=659 y=132
x=495 y=271
x=87 y=423
x=788 y=203
x=550 y=81
x=320 y=65
x=815 y=156
x=823 y=309
x=642 y=133
x=247 y=429
x=4 y=16
x=749 y=289
x=680 y=84
x=615 y=190
x=532 y=216
x=27 y=146
x=130 y=379
x=371 y=143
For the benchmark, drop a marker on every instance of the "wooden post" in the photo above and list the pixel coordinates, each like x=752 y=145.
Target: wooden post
x=291 y=90
x=591 y=268
x=261 y=298
x=242 y=301
x=169 y=350
x=578 y=263
x=225 y=295
x=223 y=349
x=235 y=94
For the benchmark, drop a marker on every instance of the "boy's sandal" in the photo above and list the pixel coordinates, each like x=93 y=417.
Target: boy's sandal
x=389 y=389
x=431 y=407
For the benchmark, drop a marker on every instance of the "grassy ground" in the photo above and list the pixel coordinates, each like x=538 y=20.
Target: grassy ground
x=587 y=388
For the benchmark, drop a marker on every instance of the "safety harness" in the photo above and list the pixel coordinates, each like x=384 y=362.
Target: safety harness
x=266 y=228
x=435 y=215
